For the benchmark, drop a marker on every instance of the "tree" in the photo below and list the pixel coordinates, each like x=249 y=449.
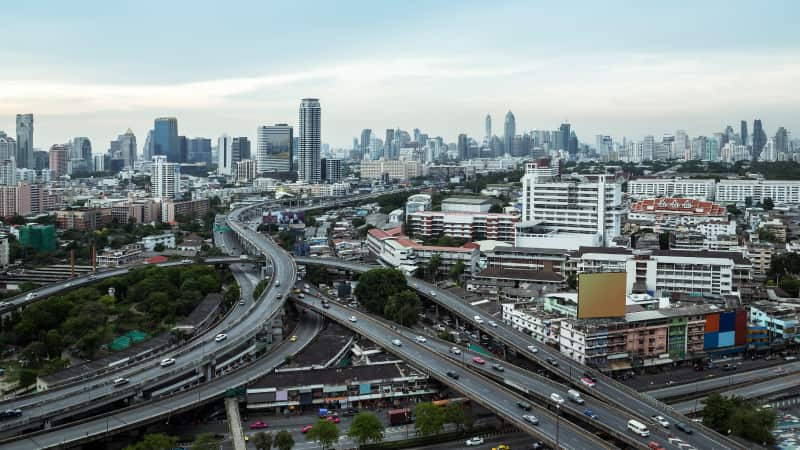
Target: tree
x=457 y=270
x=283 y=440
x=158 y=441
x=495 y=208
x=325 y=432
x=27 y=377
x=454 y=413
x=159 y=247
x=205 y=441
x=376 y=286
x=366 y=428
x=740 y=418
x=430 y=418
x=403 y=308
x=434 y=264
x=262 y=440
x=260 y=288
x=768 y=204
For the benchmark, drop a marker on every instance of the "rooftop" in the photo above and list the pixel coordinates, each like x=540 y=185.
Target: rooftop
x=333 y=376
x=467 y=200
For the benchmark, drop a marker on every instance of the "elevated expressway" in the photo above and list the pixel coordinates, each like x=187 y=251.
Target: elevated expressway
x=612 y=392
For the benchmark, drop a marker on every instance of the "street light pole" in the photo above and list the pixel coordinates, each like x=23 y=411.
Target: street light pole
x=558 y=419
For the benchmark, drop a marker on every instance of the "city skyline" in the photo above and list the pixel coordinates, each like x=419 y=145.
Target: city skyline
x=596 y=76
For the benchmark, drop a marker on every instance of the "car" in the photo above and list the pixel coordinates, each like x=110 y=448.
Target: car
x=683 y=427
x=728 y=367
x=533 y=349
x=306 y=429
x=433 y=293
x=258 y=425
x=661 y=421
x=397 y=343
x=187 y=261
x=353 y=319
x=241 y=302
x=653 y=445
x=30 y=296
x=220 y=337
x=306 y=286
x=439 y=327
x=524 y=405
x=452 y=374
x=478 y=360
x=293 y=338
x=478 y=319
x=333 y=419
x=455 y=350
x=350 y=412
x=353 y=305
x=493 y=324
x=9 y=413
x=498 y=367
x=120 y=381
x=477 y=440
x=277 y=283
x=301 y=295
x=587 y=382
x=306 y=291
x=297 y=290
x=530 y=418
x=503 y=447
x=557 y=398
x=326 y=305
x=420 y=339
x=590 y=376
x=552 y=362
x=590 y=414
x=167 y=362
x=538 y=445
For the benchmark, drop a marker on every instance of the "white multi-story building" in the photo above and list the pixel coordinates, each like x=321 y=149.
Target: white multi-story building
x=418 y=202
x=165 y=178
x=738 y=191
x=464 y=225
x=309 y=169
x=245 y=171
x=225 y=156
x=396 y=170
x=167 y=240
x=701 y=189
x=466 y=204
x=570 y=213
x=394 y=249
x=542 y=326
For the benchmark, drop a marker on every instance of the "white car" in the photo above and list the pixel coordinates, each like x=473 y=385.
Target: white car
x=353 y=319
x=167 y=362
x=478 y=319
x=397 y=343
x=455 y=350
x=661 y=421
x=420 y=339
x=433 y=294
x=221 y=337
x=493 y=324
x=474 y=441
x=531 y=419
x=187 y=261
x=557 y=398
x=533 y=349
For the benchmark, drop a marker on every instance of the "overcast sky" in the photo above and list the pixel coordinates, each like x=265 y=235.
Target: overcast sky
x=625 y=68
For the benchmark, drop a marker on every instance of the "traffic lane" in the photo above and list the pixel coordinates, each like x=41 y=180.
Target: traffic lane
x=471 y=384
x=751 y=391
x=307 y=330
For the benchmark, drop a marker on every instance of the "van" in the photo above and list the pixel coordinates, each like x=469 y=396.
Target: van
x=575 y=396
x=638 y=428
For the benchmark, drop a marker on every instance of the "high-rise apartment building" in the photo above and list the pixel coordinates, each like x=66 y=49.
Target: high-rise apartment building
x=759 y=139
x=331 y=170
x=8 y=165
x=241 y=148
x=165 y=138
x=509 y=131
x=488 y=128
x=743 y=132
x=59 y=160
x=245 y=171
x=165 y=178
x=226 y=158
x=309 y=157
x=25 y=141
x=463 y=147
x=274 y=148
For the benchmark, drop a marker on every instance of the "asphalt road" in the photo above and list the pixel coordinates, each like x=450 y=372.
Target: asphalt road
x=611 y=391
x=756 y=390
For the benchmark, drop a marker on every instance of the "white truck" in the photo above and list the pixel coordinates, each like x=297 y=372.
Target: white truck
x=575 y=396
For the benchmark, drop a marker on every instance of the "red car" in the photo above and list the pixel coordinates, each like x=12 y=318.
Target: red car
x=333 y=419
x=258 y=425
x=306 y=429
x=478 y=360
x=587 y=382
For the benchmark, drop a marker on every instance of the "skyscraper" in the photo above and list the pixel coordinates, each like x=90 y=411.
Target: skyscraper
x=782 y=140
x=226 y=157
x=165 y=178
x=309 y=158
x=127 y=147
x=147 y=150
x=59 y=160
x=331 y=170
x=165 y=138
x=198 y=150
x=241 y=149
x=8 y=154
x=509 y=130
x=366 y=134
x=274 y=148
x=759 y=139
x=743 y=132
x=565 y=134
x=488 y=128
x=81 y=155
x=463 y=147
x=25 y=141
x=388 y=152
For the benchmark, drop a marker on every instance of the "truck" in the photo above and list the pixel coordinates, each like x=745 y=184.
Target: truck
x=575 y=396
x=399 y=416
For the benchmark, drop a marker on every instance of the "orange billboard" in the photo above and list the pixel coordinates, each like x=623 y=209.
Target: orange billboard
x=601 y=294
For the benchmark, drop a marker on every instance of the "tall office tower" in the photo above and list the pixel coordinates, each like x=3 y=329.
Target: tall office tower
x=375 y=147
x=463 y=147
x=41 y=159
x=274 y=148
x=99 y=162
x=782 y=140
x=509 y=131
x=680 y=145
x=331 y=170
x=147 y=150
x=770 y=151
x=225 y=156
x=711 y=151
x=743 y=132
x=125 y=148
x=564 y=133
x=730 y=135
x=59 y=160
x=199 y=150
x=165 y=178
x=572 y=143
x=241 y=149
x=488 y=128
x=387 y=144
x=81 y=155
x=25 y=141
x=605 y=144
x=309 y=162
x=648 y=148
x=165 y=138
x=366 y=133
x=759 y=139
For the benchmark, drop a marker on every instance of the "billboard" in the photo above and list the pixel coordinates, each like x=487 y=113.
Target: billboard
x=601 y=294
x=283 y=217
